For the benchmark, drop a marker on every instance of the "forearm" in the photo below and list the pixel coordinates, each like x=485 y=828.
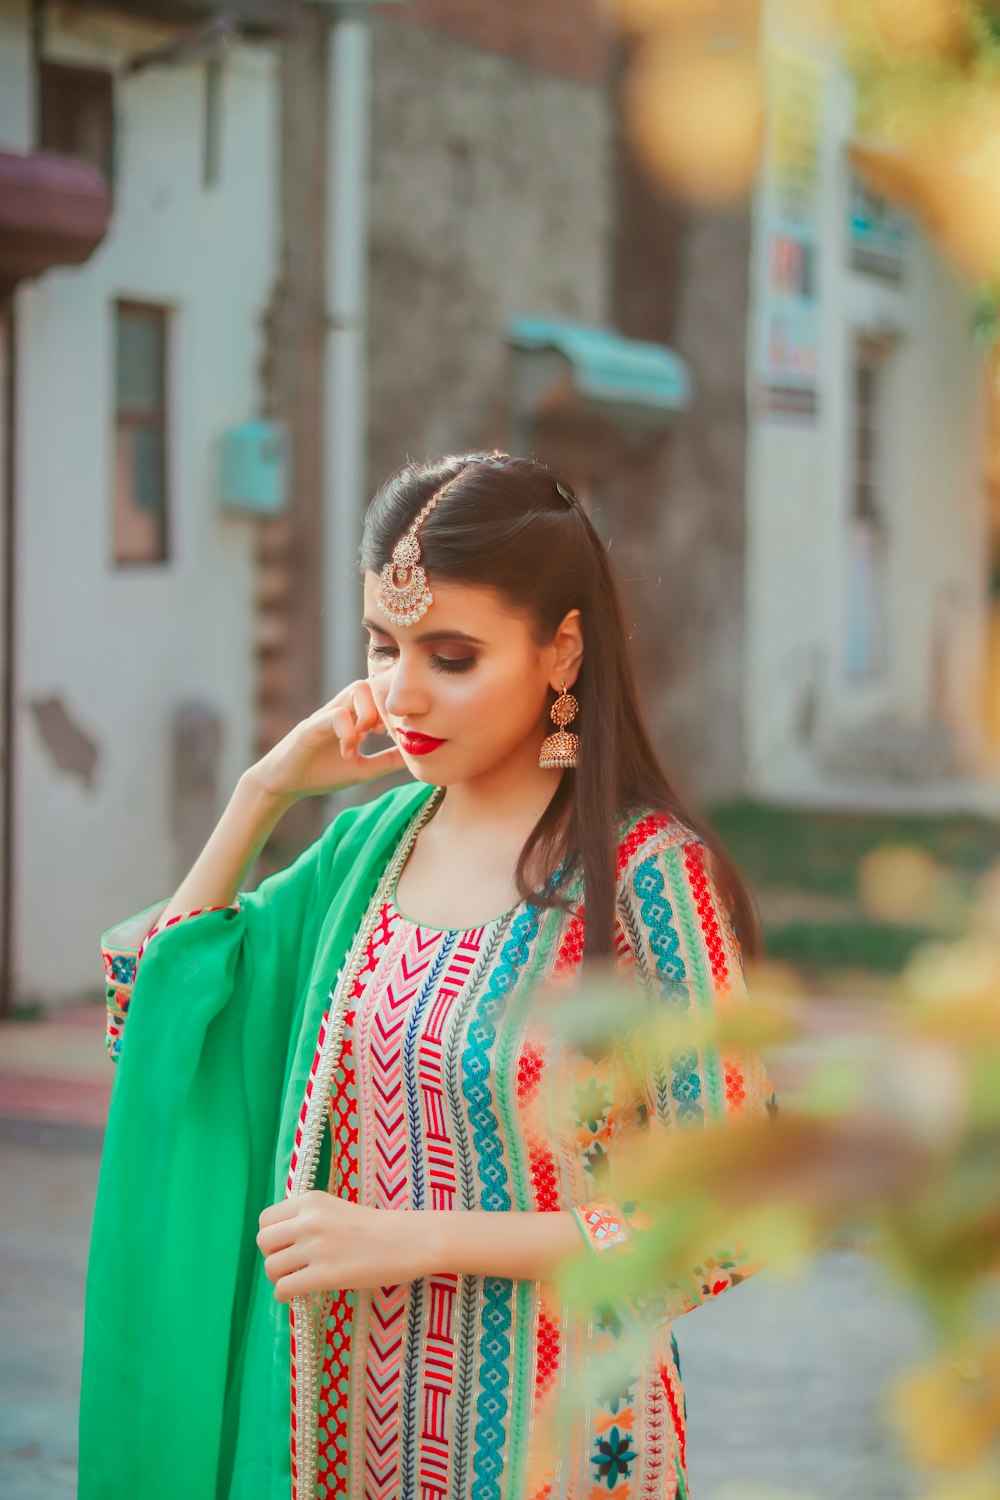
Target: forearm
x=532 y=1246
x=242 y=831
x=516 y=1245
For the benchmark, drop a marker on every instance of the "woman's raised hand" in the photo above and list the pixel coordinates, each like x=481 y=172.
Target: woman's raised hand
x=323 y=752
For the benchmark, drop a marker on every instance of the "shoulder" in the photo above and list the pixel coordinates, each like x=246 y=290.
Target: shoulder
x=651 y=834
x=667 y=889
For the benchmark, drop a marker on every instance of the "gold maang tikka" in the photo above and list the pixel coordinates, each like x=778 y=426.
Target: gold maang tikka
x=559 y=751
x=402 y=593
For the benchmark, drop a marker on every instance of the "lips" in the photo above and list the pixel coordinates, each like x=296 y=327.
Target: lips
x=416 y=744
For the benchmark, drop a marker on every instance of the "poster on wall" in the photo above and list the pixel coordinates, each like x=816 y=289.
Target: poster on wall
x=788 y=324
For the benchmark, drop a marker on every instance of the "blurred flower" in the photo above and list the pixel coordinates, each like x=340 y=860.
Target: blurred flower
x=948 y=1412
x=899 y=883
x=696 y=117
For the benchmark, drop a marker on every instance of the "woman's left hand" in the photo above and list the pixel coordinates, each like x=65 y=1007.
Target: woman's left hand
x=317 y=1242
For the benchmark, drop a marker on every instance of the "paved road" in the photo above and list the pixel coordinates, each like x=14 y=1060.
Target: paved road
x=781 y=1378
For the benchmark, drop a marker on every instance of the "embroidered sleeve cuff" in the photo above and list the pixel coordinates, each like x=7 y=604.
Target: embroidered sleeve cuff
x=603 y=1225
x=182 y=917
x=122 y=947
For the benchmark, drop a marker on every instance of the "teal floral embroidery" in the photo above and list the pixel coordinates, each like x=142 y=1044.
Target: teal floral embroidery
x=657 y=917
x=613 y=1457
x=123 y=969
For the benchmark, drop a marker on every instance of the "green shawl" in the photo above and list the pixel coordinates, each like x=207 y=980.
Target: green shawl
x=186 y=1379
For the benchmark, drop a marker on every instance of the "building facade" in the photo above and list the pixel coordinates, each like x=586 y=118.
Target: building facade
x=161 y=640
x=868 y=605
x=134 y=591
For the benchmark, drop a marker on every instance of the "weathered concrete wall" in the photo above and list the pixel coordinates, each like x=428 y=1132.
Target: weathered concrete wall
x=567 y=37
x=491 y=194
x=700 y=540
x=676 y=505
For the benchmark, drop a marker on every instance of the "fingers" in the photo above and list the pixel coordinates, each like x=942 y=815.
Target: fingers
x=366 y=711
x=381 y=763
x=353 y=715
x=284 y=1262
x=344 y=727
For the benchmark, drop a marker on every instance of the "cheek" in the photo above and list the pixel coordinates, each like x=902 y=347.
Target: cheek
x=506 y=700
x=379 y=684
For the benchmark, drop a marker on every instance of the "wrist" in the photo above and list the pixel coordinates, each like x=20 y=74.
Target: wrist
x=253 y=788
x=423 y=1237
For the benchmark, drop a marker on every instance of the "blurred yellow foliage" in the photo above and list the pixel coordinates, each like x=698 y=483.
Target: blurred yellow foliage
x=893 y=1135
x=907 y=28
x=641 y=16
x=948 y=1412
x=696 y=117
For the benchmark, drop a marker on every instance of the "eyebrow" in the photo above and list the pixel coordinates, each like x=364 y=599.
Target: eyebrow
x=429 y=635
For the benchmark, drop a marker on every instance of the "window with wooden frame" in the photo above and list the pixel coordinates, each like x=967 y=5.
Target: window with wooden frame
x=77 y=113
x=141 y=433
x=868 y=562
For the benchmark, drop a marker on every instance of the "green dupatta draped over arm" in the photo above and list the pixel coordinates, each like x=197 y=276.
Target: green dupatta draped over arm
x=186 y=1378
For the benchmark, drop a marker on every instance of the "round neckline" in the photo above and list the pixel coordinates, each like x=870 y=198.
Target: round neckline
x=446 y=931
x=424 y=817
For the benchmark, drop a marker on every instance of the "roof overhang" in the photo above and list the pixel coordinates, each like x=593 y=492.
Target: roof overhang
x=630 y=380
x=54 y=211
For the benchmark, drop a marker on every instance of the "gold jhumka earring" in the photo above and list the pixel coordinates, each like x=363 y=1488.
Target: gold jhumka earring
x=402 y=593
x=559 y=751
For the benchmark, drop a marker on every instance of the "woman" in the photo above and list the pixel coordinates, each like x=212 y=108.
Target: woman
x=336 y=1183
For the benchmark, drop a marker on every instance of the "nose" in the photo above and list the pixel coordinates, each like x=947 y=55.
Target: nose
x=406 y=698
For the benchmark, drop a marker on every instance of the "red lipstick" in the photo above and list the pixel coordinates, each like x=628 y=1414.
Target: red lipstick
x=416 y=744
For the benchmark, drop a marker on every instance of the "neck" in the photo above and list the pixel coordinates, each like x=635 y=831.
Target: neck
x=512 y=796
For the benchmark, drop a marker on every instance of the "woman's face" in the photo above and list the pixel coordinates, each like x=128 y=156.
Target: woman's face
x=464 y=691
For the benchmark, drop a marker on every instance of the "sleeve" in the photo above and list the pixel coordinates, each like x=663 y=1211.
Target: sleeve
x=122 y=947
x=677 y=938
x=266 y=921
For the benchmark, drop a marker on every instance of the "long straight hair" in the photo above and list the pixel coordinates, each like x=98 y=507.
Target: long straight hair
x=511 y=524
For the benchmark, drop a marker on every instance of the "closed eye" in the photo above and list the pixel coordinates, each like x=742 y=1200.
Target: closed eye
x=437 y=663
x=452 y=663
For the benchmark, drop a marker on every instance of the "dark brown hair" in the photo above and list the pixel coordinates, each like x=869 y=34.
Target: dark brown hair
x=509 y=523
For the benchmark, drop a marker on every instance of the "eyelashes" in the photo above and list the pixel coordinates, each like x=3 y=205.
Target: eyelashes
x=452 y=663
x=438 y=663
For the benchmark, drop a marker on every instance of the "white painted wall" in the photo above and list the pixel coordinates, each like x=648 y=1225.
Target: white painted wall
x=15 y=80
x=123 y=648
x=801 y=703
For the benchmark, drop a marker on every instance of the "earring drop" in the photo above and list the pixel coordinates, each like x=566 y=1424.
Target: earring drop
x=560 y=750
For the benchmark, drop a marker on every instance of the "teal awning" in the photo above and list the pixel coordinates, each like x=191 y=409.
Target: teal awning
x=606 y=366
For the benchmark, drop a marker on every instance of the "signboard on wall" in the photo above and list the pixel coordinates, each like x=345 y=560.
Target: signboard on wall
x=877 y=234
x=787 y=337
x=791 y=159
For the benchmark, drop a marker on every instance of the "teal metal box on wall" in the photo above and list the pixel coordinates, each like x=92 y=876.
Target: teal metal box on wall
x=253 y=468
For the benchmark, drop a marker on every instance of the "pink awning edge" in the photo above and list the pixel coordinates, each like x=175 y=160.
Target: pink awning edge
x=54 y=211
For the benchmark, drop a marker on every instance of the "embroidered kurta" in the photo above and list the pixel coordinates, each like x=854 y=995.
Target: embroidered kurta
x=442 y=1088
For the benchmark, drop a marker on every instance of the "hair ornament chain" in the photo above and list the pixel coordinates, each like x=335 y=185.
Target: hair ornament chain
x=402 y=593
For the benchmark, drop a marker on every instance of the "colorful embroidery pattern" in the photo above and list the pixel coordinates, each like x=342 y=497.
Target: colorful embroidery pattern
x=120 y=969
x=446 y=1095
